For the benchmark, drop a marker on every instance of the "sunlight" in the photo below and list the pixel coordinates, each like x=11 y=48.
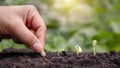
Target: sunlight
x=72 y=11
x=63 y=4
x=68 y=1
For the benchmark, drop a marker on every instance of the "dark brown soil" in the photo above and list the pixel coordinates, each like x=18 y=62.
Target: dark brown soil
x=26 y=58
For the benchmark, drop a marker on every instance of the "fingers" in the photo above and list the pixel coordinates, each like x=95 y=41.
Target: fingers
x=40 y=29
x=15 y=23
x=19 y=30
x=19 y=41
x=36 y=23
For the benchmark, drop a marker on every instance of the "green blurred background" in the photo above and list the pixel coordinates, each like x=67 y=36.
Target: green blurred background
x=76 y=22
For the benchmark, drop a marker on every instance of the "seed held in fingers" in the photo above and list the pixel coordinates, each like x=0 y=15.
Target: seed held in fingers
x=42 y=53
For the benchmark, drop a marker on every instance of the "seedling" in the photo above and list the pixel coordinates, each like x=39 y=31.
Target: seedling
x=94 y=42
x=60 y=51
x=78 y=49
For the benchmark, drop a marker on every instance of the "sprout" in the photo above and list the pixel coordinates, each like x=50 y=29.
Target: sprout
x=60 y=51
x=94 y=42
x=78 y=49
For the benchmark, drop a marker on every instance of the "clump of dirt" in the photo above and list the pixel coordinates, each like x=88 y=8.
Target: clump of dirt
x=26 y=58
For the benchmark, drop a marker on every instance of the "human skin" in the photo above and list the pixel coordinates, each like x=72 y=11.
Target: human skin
x=24 y=25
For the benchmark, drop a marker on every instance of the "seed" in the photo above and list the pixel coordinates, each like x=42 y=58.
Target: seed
x=42 y=53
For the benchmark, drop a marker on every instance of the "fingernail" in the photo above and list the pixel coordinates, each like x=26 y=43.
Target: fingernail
x=37 y=47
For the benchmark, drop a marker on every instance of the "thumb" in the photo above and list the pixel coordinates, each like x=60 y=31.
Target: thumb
x=26 y=36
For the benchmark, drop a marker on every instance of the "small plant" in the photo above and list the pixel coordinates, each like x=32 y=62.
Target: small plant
x=94 y=42
x=78 y=49
x=60 y=51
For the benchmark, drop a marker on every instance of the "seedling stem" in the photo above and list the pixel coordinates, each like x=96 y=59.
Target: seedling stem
x=94 y=42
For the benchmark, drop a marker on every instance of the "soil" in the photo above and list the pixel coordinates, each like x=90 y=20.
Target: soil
x=26 y=58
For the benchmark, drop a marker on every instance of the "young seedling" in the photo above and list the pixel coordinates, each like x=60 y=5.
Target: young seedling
x=78 y=49
x=94 y=42
x=60 y=51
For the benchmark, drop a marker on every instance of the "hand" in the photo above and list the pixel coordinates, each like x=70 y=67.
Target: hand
x=23 y=24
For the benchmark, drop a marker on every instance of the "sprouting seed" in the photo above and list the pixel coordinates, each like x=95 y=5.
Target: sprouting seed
x=94 y=42
x=78 y=49
x=60 y=51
